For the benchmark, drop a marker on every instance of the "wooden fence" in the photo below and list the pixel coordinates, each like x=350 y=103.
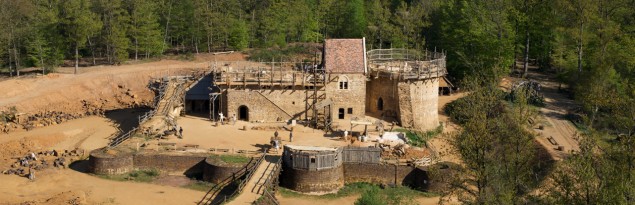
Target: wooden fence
x=370 y=155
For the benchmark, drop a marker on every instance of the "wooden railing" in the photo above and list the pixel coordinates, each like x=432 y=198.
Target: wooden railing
x=270 y=186
x=246 y=171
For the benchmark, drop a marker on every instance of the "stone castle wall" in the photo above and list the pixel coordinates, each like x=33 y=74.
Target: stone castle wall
x=110 y=163
x=386 y=89
x=263 y=106
x=354 y=97
x=413 y=103
x=385 y=174
x=330 y=180
x=216 y=172
x=191 y=165
x=313 y=181
x=424 y=99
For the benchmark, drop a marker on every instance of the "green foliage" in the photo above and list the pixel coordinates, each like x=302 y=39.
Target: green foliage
x=200 y=186
x=232 y=159
x=419 y=139
x=500 y=163
x=371 y=197
x=136 y=176
x=354 y=19
x=287 y=53
x=239 y=35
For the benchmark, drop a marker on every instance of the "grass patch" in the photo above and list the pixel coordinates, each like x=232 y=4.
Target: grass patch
x=358 y=188
x=232 y=159
x=200 y=186
x=136 y=176
x=419 y=139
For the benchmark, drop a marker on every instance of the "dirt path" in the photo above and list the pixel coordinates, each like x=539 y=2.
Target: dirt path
x=554 y=114
x=441 y=142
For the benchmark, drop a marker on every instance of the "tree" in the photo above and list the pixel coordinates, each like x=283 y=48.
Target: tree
x=354 y=23
x=16 y=16
x=45 y=44
x=145 y=30
x=495 y=146
x=78 y=23
x=238 y=35
x=115 y=26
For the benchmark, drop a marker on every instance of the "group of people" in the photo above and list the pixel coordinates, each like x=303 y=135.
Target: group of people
x=221 y=118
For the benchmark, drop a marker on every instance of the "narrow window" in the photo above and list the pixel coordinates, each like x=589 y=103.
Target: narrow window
x=343 y=83
x=340 y=113
x=350 y=110
x=312 y=159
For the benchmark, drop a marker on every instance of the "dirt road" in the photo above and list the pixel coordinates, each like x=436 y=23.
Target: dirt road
x=554 y=114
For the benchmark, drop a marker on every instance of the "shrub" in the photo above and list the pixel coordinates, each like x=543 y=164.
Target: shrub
x=371 y=197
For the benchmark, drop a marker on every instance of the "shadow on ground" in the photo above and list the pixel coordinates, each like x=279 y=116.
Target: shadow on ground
x=126 y=119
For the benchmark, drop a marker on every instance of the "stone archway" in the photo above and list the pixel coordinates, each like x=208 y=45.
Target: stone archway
x=380 y=104
x=243 y=113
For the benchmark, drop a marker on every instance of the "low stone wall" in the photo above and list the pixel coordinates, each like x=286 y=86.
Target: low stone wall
x=189 y=165
x=385 y=174
x=216 y=171
x=110 y=162
x=330 y=180
x=312 y=181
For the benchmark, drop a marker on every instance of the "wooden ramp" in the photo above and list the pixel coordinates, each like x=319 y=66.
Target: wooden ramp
x=258 y=183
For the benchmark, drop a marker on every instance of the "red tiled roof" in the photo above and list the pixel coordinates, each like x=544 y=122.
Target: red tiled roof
x=344 y=55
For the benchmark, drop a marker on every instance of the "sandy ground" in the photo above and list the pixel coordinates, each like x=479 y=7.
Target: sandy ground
x=87 y=133
x=553 y=117
x=64 y=91
x=201 y=131
x=441 y=142
x=63 y=186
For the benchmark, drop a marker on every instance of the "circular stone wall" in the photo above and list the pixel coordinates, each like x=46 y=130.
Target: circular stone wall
x=420 y=103
x=313 y=181
x=110 y=162
x=215 y=170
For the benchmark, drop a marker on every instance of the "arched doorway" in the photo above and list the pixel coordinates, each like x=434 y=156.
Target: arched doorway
x=243 y=113
x=380 y=104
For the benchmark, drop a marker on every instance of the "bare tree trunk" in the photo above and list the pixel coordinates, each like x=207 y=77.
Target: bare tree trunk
x=9 y=52
x=108 y=53
x=580 y=47
x=167 y=25
x=76 y=58
x=92 y=51
x=16 y=59
x=526 y=58
x=42 y=59
x=136 y=49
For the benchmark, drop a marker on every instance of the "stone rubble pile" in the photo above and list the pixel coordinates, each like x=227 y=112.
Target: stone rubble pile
x=25 y=165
